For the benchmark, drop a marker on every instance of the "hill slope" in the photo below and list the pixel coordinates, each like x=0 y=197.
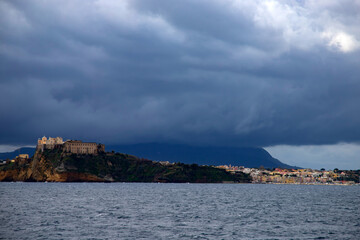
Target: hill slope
x=236 y=156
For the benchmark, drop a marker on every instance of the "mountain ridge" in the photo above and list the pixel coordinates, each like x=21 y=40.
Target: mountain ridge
x=253 y=157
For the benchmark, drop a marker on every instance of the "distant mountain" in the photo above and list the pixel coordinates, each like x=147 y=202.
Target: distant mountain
x=24 y=150
x=236 y=156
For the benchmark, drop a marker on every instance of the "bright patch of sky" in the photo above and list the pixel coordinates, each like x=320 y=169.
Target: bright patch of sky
x=10 y=148
x=341 y=156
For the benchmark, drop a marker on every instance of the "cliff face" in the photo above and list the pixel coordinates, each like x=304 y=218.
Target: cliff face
x=57 y=166
x=41 y=169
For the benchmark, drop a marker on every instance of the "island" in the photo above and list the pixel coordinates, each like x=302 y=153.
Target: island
x=56 y=160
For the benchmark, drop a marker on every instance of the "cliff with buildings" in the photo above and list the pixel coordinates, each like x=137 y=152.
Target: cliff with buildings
x=69 y=146
x=75 y=161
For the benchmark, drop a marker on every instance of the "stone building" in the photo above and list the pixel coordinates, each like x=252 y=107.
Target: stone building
x=50 y=143
x=70 y=146
x=79 y=147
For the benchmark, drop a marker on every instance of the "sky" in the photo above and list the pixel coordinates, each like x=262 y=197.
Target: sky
x=284 y=75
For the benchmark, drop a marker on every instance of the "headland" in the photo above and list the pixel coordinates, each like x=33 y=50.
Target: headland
x=56 y=160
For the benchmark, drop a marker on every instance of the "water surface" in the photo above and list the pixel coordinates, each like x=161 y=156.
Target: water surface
x=178 y=211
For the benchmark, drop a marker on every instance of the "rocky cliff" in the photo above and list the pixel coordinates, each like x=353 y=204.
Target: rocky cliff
x=57 y=166
x=40 y=168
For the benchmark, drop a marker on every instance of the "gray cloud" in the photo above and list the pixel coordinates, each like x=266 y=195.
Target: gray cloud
x=253 y=73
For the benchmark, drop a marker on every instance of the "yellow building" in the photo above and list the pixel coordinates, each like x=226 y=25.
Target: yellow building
x=24 y=156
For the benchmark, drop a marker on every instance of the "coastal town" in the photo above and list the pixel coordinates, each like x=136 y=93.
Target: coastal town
x=298 y=176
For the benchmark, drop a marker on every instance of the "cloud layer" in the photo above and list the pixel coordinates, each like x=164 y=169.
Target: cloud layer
x=225 y=72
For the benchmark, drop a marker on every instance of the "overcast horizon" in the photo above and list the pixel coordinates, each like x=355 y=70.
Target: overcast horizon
x=282 y=75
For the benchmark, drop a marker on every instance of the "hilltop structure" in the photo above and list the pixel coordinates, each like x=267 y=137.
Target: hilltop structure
x=79 y=147
x=70 y=146
x=50 y=143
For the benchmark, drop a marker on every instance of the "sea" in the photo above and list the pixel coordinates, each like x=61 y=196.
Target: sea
x=178 y=211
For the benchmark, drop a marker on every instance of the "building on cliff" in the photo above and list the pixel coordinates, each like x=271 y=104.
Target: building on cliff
x=79 y=147
x=51 y=143
x=70 y=146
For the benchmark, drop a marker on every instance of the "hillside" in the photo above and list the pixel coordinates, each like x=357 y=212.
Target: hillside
x=236 y=156
x=56 y=166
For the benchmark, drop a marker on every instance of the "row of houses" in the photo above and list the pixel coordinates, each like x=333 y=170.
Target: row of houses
x=298 y=176
x=19 y=158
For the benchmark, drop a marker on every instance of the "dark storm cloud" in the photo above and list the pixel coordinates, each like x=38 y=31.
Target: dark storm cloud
x=206 y=72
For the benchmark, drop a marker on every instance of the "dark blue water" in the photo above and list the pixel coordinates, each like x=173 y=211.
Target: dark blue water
x=178 y=211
